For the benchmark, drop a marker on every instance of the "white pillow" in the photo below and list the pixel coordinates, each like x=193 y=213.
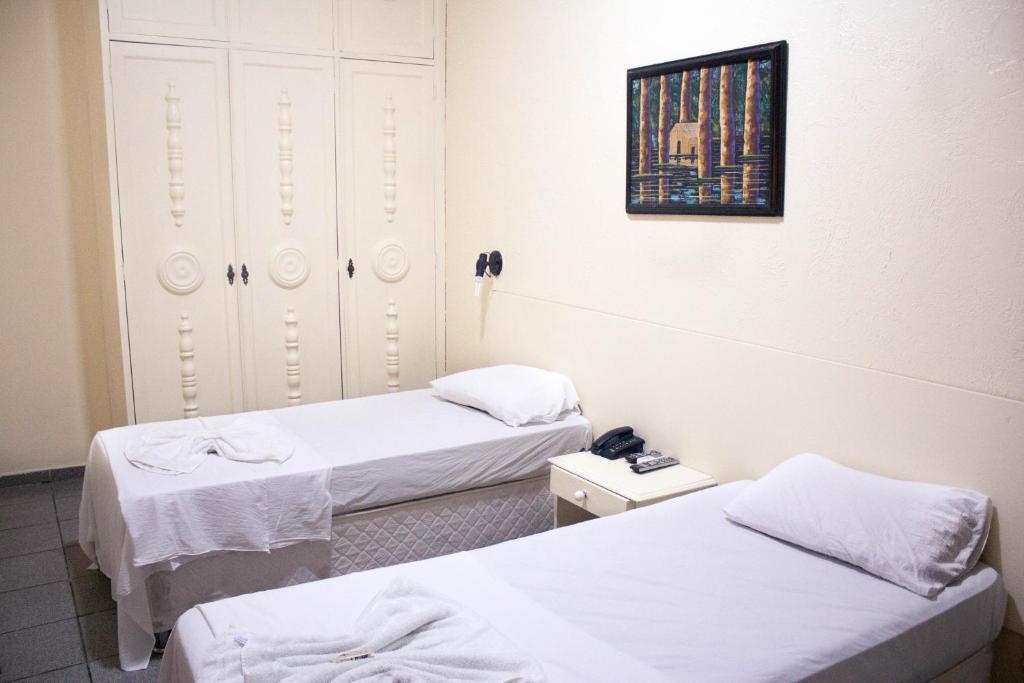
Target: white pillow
x=515 y=394
x=919 y=536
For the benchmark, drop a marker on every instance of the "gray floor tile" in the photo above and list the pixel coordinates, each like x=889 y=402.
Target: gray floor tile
x=32 y=570
x=24 y=493
x=40 y=649
x=78 y=562
x=67 y=487
x=29 y=539
x=69 y=531
x=92 y=593
x=27 y=514
x=67 y=508
x=72 y=674
x=109 y=669
x=34 y=606
x=99 y=632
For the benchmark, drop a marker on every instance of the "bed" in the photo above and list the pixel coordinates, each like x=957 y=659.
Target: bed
x=409 y=476
x=669 y=592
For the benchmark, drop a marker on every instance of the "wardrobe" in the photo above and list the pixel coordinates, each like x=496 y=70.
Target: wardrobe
x=271 y=199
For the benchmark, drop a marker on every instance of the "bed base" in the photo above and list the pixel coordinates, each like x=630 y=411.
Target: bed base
x=975 y=669
x=367 y=539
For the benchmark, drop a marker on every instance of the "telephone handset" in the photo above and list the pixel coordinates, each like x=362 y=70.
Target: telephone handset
x=617 y=443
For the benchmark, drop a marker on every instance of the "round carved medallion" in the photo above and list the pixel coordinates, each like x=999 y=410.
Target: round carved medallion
x=392 y=262
x=289 y=266
x=180 y=273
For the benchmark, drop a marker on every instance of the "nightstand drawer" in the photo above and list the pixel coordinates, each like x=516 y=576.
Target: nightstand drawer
x=586 y=495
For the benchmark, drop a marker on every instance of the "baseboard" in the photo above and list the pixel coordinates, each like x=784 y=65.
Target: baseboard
x=42 y=476
x=1008 y=658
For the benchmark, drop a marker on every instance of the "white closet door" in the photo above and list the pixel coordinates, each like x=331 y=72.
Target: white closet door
x=282 y=109
x=387 y=151
x=302 y=24
x=174 y=183
x=397 y=28
x=177 y=19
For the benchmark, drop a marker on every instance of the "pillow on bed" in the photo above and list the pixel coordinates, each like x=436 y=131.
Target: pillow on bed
x=515 y=394
x=919 y=536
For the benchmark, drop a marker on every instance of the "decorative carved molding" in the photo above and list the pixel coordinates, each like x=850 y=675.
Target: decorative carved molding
x=286 y=155
x=391 y=345
x=288 y=265
x=180 y=273
x=390 y=160
x=187 y=354
x=391 y=263
x=175 y=156
x=291 y=362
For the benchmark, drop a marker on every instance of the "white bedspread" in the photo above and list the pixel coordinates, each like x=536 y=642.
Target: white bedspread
x=134 y=522
x=311 y=609
x=396 y=447
x=673 y=591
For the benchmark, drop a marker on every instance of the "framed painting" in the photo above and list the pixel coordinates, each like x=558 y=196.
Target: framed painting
x=707 y=135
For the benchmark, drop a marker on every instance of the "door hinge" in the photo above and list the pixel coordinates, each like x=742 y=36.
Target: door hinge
x=351 y=269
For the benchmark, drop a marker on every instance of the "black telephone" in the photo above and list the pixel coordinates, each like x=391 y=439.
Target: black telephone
x=617 y=443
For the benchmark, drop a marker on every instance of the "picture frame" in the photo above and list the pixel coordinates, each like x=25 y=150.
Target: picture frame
x=695 y=146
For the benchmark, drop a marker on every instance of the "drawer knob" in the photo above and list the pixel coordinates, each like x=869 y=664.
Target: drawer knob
x=580 y=496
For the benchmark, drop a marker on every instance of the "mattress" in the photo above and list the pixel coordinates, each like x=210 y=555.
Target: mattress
x=396 y=447
x=669 y=592
x=447 y=524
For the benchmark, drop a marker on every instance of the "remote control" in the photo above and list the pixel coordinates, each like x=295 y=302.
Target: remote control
x=644 y=466
x=632 y=458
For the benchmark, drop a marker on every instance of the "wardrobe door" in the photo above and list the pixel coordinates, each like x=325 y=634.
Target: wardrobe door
x=177 y=19
x=303 y=24
x=398 y=28
x=282 y=109
x=174 y=185
x=387 y=150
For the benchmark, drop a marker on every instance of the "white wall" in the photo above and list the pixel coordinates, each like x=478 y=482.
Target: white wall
x=51 y=337
x=881 y=322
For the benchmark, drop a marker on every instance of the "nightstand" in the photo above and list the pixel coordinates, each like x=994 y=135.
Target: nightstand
x=587 y=486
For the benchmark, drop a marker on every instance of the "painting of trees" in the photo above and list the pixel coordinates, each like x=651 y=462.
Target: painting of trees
x=645 y=134
x=685 y=93
x=727 y=139
x=664 y=126
x=751 y=128
x=707 y=134
x=704 y=140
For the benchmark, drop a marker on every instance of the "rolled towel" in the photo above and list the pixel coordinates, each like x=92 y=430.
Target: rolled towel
x=406 y=633
x=181 y=447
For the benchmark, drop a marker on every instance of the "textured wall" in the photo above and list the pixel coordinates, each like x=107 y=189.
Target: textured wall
x=881 y=321
x=51 y=337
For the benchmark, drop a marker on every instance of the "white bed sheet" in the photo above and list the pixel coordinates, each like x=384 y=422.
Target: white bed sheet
x=396 y=447
x=674 y=589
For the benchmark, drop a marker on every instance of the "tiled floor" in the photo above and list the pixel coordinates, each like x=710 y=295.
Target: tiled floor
x=57 y=621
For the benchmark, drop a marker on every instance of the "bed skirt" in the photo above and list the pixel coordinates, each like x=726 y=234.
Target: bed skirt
x=367 y=539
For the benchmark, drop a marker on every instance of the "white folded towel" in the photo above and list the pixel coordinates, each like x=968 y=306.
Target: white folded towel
x=406 y=633
x=181 y=447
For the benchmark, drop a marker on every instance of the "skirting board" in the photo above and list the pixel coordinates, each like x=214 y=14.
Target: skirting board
x=43 y=476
